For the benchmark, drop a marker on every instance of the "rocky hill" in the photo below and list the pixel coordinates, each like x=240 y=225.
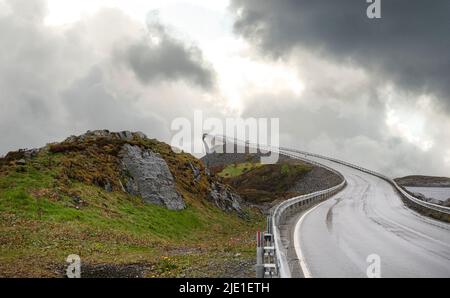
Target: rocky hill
x=127 y=204
x=423 y=181
x=266 y=185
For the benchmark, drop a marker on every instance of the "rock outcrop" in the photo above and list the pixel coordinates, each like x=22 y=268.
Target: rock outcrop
x=420 y=196
x=196 y=171
x=126 y=136
x=446 y=203
x=224 y=198
x=149 y=177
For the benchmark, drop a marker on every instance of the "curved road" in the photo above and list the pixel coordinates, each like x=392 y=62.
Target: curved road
x=368 y=217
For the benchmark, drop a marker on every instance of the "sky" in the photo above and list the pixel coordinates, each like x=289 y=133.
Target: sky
x=372 y=92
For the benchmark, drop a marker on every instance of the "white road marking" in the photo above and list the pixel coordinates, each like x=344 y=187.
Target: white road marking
x=298 y=249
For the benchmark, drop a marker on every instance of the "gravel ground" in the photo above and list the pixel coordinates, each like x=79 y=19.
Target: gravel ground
x=232 y=266
x=315 y=180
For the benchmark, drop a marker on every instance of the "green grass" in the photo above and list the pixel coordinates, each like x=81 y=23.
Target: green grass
x=269 y=182
x=41 y=223
x=235 y=170
x=113 y=211
x=285 y=169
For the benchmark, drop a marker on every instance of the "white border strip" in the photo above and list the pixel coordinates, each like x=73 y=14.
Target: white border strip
x=297 y=245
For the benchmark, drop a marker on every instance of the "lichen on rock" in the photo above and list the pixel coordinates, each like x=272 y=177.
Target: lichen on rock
x=226 y=199
x=149 y=177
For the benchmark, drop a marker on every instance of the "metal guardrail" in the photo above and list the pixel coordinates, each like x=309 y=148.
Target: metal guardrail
x=282 y=267
x=428 y=205
x=281 y=210
x=406 y=195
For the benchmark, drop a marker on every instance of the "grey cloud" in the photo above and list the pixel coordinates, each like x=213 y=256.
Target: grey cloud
x=409 y=45
x=90 y=103
x=56 y=82
x=168 y=59
x=29 y=11
x=360 y=138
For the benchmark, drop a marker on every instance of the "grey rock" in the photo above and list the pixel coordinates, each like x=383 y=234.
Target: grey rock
x=71 y=139
x=125 y=136
x=149 y=177
x=446 y=203
x=28 y=154
x=196 y=171
x=422 y=197
x=78 y=202
x=90 y=134
x=224 y=198
x=108 y=187
x=419 y=196
x=435 y=201
x=140 y=135
x=96 y=134
x=21 y=162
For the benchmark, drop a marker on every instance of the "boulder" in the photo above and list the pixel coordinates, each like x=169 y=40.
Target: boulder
x=125 y=136
x=446 y=203
x=141 y=135
x=224 y=198
x=21 y=162
x=149 y=177
x=419 y=196
x=32 y=153
x=108 y=187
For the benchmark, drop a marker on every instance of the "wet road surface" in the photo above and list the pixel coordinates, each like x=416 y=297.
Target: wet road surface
x=366 y=218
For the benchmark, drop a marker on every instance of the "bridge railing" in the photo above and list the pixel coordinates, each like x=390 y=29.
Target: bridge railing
x=406 y=195
x=286 y=208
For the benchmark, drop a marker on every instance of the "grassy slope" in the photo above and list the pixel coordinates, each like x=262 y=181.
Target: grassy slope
x=48 y=210
x=234 y=170
x=253 y=183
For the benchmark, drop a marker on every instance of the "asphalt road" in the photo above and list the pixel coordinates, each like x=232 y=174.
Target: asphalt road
x=368 y=217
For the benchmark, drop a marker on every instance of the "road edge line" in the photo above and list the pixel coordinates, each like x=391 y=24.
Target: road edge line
x=297 y=246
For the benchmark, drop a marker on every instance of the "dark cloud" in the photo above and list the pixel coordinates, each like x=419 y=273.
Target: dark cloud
x=409 y=45
x=160 y=56
x=55 y=82
x=107 y=71
x=168 y=60
x=360 y=136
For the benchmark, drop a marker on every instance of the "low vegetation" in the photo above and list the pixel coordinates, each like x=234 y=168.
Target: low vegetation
x=237 y=169
x=57 y=203
x=258 y=183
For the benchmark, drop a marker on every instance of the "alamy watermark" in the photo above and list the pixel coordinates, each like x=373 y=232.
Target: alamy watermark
x=374 y=268
x=374 y=9
x=74 y=267
x=257 y=134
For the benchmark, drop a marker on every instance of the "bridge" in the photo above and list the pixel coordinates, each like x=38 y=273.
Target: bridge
x=337 y=232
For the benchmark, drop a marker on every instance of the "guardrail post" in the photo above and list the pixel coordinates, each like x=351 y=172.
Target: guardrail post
x=259 y=256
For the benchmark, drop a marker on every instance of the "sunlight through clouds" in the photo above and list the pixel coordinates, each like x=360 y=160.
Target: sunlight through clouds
x=230 y=58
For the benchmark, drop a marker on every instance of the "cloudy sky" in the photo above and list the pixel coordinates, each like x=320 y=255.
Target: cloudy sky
x=372 y=92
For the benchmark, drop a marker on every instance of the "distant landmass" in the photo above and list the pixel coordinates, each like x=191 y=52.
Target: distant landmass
x=431 y=189
x=423 y=181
